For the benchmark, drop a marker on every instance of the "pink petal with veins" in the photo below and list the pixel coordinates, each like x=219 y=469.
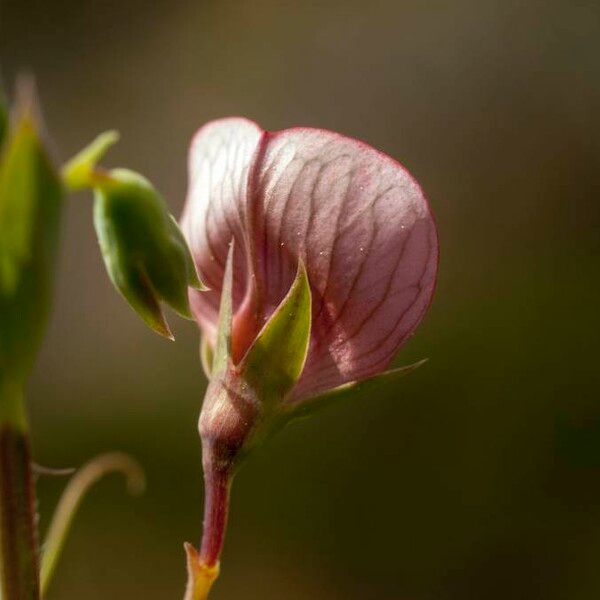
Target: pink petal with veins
x=219 y=160
x=356 y=218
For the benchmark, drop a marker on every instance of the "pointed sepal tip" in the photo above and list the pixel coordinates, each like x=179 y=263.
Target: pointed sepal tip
x=274 y=362
x=81 y=171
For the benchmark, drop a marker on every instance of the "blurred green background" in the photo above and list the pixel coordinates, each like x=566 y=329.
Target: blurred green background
x=476 y=477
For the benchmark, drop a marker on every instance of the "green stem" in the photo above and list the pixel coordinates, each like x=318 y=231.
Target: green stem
x=18 y=531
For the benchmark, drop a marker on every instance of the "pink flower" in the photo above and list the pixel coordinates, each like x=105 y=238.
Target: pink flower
x=354 y=216
x=334 y=265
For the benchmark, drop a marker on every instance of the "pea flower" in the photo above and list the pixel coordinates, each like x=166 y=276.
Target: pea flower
x=320 y=254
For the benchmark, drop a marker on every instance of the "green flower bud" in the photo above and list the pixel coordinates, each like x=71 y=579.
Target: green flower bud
x=144 y=251
x=30 y=203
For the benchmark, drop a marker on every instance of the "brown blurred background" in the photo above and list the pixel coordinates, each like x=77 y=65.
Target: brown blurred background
x=478 y=477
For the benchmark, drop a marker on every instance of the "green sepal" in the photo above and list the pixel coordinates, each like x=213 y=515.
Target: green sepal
x=81 y=171
x=30 y=202
x=193 y=279
x=274 y=362
x=222 y=353
x=144 y=251
x=347 y=391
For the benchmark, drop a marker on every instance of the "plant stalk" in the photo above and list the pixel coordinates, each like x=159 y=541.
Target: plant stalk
x=217 y=484
x=203 y=566
x=19 y=564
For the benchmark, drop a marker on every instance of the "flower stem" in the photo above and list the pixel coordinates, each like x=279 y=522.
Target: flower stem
x=217 y=484
x=203 y=566
x=18 y=527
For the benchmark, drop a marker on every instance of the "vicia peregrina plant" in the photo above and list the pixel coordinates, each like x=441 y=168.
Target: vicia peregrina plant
x=321 y=257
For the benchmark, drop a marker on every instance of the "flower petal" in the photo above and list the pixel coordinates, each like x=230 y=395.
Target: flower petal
x=220 y=157
x=364 y=230
x=354 y=216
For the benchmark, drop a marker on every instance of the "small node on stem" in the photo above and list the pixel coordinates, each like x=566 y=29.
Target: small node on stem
x=200 y=576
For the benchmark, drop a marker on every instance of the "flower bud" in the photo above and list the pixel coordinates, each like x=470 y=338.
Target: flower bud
x=144 y=251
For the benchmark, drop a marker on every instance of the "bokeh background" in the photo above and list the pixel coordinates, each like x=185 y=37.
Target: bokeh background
x=476 y=477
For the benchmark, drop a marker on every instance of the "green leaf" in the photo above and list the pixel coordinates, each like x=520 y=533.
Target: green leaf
x=349 y=390
x=222 y=353
x=276 y=358
x=30 y=203
x=17 y=204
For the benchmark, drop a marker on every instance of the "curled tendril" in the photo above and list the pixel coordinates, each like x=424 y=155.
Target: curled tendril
x=78 y=486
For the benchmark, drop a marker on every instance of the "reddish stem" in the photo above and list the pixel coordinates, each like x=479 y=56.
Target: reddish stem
x=217 y=484
x=20 y=579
